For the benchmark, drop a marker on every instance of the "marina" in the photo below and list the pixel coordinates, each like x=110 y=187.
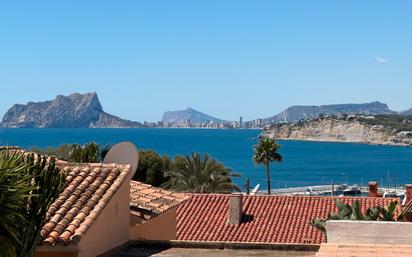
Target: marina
x=339 y=190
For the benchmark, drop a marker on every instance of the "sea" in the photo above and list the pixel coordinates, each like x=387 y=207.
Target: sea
x=304 y=163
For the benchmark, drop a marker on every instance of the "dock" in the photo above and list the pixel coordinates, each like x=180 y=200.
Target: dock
x=327 y=190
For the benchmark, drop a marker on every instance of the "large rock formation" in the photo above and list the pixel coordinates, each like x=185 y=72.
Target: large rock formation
x=73 y=111
x=353 y=129
x=188 y=115
x=296 y=113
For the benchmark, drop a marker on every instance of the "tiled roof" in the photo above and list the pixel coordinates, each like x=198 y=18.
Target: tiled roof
x=147 y=201
x=267 y=219
x=88 y=189
x=406 y=210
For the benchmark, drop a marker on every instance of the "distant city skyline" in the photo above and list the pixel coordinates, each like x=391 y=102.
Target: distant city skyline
x=224 y=58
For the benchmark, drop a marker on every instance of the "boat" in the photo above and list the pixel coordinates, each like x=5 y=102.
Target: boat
x=352 y=190
x=310 y=191
x=388 y=194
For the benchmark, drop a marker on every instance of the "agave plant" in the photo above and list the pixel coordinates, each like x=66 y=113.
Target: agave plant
x=353 y=212
x=382 y=213
x=199 y=174
x=373 y=213
x=389 y=211
x=345 y=212
x=28 y=185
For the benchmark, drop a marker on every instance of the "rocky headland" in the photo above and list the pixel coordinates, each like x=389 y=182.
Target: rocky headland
x=72 y=111
x=379 y=130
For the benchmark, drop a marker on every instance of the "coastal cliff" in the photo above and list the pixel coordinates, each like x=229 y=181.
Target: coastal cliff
x=357 y=129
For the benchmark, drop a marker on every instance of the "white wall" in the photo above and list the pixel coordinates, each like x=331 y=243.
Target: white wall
x=368 y=232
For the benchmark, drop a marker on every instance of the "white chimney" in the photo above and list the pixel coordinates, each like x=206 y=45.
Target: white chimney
x=235 y=208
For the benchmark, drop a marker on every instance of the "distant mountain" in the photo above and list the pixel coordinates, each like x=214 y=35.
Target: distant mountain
x=189 y=114
x=407 y=112
x=296 y=113
x=73 y=111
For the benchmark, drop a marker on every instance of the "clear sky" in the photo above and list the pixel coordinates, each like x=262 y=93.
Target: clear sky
x=225 y=58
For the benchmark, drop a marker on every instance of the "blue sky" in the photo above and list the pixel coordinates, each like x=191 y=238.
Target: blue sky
x=225 y=58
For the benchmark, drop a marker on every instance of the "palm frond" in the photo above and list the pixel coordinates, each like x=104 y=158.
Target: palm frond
x=265 y=152
x=199 y=174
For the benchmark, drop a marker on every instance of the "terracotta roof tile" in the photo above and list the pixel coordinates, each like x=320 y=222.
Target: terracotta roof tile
x=147 y=201
x=267 y=219
x=88 y=189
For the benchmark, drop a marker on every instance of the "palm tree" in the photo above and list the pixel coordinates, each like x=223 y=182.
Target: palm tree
x=199 y=174
x=265 y=152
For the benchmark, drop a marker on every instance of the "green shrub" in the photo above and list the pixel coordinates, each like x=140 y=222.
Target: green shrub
x=87 y=153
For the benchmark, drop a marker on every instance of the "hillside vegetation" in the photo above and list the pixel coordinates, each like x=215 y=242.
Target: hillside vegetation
x=395 y=121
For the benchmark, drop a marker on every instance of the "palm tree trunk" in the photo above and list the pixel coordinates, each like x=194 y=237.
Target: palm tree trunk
x=268 y=177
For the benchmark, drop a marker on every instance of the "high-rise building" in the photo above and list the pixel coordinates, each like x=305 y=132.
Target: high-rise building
x=241 y=122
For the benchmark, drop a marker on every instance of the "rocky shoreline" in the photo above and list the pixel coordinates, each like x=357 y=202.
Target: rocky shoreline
x=338 y=141
x=340 y=130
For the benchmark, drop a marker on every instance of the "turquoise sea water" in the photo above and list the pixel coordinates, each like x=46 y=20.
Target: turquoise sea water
x=305 y=163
